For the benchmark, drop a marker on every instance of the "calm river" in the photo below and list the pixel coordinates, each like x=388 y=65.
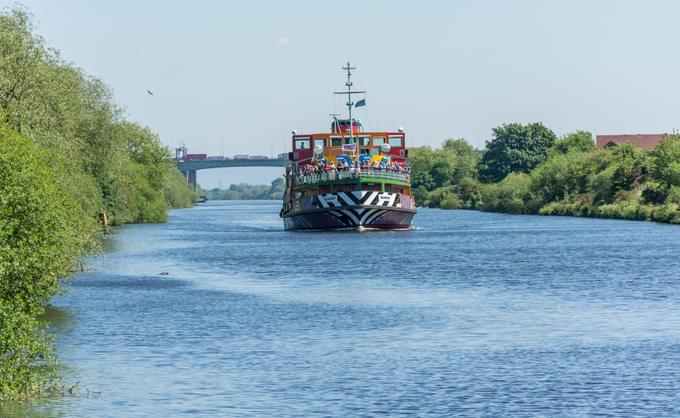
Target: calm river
x=472 y=314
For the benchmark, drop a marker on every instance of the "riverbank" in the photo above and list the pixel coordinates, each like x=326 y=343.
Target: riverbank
x=566 y=176
x=69 y=163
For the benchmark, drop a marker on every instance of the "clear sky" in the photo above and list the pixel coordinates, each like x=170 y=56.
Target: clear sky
x=240 y=75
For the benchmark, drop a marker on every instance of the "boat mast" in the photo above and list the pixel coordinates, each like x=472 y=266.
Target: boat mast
x=350 y=103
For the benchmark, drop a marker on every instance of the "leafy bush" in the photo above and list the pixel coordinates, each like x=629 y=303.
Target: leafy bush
x=469 y=192
x=630 y=166
x=666 y=162
x=666 y=213
x=452 y=201
x=579 y=141
x=41 y=239
x=447 y=166
x=575 y=205
x=511 y=195
x=437 y=197
x=560 y=176
x=68 y=156
x=178 y=193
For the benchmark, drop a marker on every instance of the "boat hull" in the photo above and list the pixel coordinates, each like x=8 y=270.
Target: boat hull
x=350 y=210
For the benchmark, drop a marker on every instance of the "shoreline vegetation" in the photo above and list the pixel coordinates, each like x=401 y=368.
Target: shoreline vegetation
x=245 y=191
x=70 y=163
x=526 y=169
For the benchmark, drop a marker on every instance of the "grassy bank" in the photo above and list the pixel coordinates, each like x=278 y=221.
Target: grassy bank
x=69 y=159
x=528 y=170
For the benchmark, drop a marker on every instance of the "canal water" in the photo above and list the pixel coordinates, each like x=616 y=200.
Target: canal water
x=222 y=313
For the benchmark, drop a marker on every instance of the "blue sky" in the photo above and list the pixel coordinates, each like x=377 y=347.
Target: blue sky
x=241 y=75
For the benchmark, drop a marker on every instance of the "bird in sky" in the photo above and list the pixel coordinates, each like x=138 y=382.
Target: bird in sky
x=150 y=92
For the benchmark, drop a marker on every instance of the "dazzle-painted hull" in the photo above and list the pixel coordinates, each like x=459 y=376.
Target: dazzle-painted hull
x=350 y=210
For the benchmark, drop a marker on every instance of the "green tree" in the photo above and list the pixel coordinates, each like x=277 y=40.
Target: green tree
x=423 y=179
x=630 y=166
x=446 y=166
x=463 y=158
x=578 y=141
x=515 y=148
x=421 y=159
x=561 y=175
x=666 y=162
x=443 y=170
x=42 y=235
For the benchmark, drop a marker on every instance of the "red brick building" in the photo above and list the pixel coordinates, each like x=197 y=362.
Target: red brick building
x=644 y=141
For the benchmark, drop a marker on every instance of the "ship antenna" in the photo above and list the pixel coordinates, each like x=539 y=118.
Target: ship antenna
x=350 y=103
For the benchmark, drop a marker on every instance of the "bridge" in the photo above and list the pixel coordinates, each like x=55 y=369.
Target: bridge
x=189 y=167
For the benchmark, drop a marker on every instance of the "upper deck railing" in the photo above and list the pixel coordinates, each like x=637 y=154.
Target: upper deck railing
x=351 y=173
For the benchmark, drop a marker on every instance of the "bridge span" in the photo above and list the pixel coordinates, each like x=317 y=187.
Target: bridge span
x=190 y=167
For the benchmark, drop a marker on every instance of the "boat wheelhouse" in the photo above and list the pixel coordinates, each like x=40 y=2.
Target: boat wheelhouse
x=348 y=178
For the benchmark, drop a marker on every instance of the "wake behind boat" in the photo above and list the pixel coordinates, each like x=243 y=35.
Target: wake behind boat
x=348 y=178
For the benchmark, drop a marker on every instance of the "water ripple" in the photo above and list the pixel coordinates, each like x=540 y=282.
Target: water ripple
x=470 y=314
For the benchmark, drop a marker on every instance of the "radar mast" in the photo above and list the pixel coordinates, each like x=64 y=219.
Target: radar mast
x=350 y=103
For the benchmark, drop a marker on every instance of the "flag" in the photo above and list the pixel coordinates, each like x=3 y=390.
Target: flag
x=360 y=103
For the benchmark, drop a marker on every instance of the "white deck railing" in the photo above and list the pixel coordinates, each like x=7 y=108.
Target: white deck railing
x=351 y=173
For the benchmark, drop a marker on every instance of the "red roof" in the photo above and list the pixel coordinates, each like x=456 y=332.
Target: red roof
x=644 y=141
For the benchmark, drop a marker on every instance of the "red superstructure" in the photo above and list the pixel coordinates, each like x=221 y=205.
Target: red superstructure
x=192 y=157
x=342 y=126
x=334 y=144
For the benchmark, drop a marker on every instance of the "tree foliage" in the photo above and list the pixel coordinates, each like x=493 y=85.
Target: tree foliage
x=68 y=157
x=515 y=148
x=42 y=235
x=578 y=141
x=572 y=178
x=244 y=191
x=666 y=162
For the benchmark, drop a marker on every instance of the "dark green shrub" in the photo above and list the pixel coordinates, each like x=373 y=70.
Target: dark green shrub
x=42 y=235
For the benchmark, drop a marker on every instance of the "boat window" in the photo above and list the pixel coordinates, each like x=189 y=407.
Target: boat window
x=336 y=141
x=364 y=141
x=302 y=144
x=378 y=141
x=374 y=151
x=395 y=141
x=321 y=142
x=349 y=140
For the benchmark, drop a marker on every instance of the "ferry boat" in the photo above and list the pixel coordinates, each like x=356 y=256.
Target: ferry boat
x=348 y=178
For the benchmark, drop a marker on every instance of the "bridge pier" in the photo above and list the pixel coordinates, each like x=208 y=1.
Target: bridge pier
x=191 y=178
